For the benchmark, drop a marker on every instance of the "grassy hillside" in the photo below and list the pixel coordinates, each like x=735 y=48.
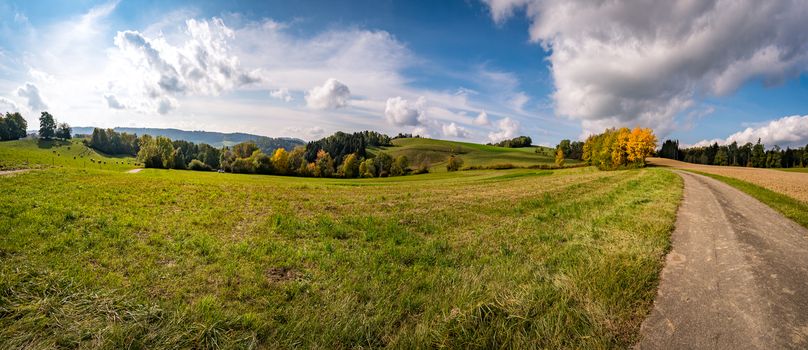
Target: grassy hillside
x=437 y=151
x=33 y=153
x=477 y=259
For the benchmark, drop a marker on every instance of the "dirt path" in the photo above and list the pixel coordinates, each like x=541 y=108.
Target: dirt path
x=10 y=172
x=134 y=171
x=791 y=184
x=736 y=277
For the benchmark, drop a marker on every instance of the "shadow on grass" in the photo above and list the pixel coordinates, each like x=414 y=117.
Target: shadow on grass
x=50 y=143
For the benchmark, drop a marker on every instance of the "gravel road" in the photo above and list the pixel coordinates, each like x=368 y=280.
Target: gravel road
x=736 y=277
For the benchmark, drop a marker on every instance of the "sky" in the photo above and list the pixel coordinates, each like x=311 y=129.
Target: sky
x=699 y=71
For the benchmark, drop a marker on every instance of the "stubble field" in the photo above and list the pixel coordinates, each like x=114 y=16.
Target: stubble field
x=792 y=183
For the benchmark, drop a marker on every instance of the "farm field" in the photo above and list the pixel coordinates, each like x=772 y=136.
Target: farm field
x=437 y=151
x=473 y=259
x=791 y=183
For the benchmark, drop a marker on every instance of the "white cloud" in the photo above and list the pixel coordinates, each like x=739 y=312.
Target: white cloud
x=518 y=101
x=40 y=75
x=401 y=112
x=201 y=65
x=35 y=101
x=454 y=130
x=112 y=102
x=331 y=95
x=787 y=131
x=629 y=63
x=507 y=128
x=482 y=119
x=7 y=105
x=422 y=131
x=281 y=94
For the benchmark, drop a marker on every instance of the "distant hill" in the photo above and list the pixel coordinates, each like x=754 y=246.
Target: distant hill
x=216 y=139
x=436 y=152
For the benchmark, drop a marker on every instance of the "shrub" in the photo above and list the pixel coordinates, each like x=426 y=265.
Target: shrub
x=198 y=166
x=454 y=163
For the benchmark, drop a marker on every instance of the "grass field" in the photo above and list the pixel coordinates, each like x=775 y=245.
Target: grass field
x=437 y=151
x=32 y=153
x=477 y=259
x=794 y=170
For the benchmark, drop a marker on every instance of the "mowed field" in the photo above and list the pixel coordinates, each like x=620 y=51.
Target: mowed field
x=792 y=183
x=475 y=259
x=438 y=151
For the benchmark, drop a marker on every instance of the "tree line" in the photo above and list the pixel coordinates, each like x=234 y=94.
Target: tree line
x=516 y=142
x=340 y=144
x=570 y=149
x=747 y=155
x=12 y=126
x=619 y=148
x=339 y=155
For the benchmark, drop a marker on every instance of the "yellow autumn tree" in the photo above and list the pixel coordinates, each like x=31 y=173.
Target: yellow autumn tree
x=280 y=159
x=641 y=144
x=619 y=148
x=559 y=159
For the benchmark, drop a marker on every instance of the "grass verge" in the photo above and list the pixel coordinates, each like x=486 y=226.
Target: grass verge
x=791 y=208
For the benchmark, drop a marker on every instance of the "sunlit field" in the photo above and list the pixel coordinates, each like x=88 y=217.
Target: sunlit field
x=167 y=258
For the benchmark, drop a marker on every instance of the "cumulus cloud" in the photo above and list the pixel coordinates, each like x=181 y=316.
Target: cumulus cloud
x=454 y=130
x=202 y=65
x=7 y=105
x=31 y=93
x=482 y=119
x=628 y=62
x=331 y=95
x=507 y=128
x=112 y=102
x=422 y=131
x=787 y=131
x=281 y=94
x=401 y=112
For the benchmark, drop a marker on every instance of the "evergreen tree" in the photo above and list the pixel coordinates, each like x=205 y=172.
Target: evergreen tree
x=47 y=126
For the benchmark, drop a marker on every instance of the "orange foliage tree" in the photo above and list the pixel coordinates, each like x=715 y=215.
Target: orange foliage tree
x=620 y=148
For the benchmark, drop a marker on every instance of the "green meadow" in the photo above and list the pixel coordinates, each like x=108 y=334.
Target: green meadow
x=95 y=257
x=436 y=152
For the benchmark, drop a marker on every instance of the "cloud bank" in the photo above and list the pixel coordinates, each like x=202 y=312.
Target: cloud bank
x=787 y=131
x=643 y=62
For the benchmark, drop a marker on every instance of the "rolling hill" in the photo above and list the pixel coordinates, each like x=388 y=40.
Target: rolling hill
x=436 y=152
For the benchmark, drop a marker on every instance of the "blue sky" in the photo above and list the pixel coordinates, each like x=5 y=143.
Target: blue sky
x=469 y=70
